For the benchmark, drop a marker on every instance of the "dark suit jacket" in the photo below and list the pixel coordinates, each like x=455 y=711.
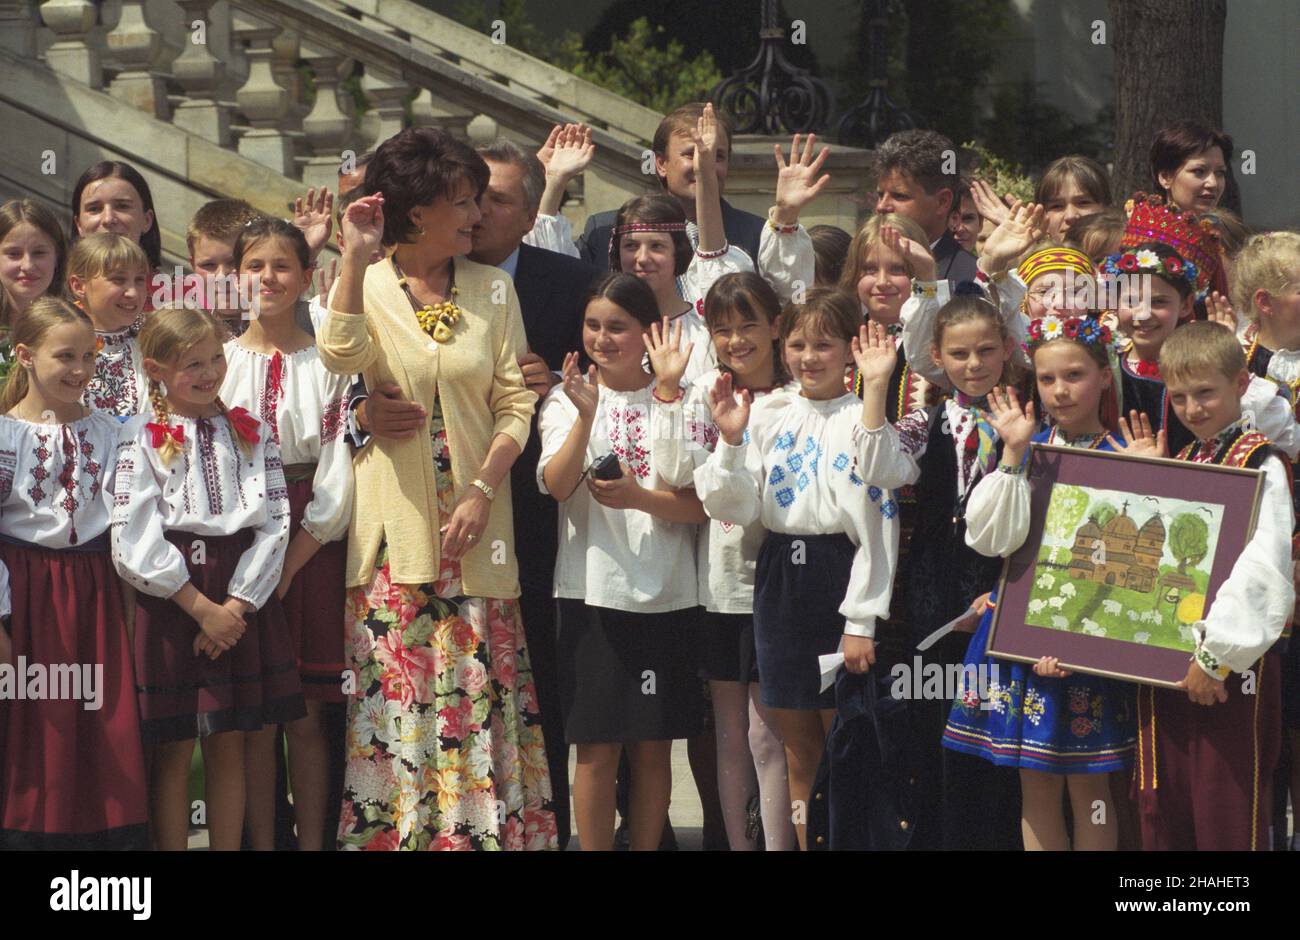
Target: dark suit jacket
x=551 y=287
x=743 y=230
x=952 y=261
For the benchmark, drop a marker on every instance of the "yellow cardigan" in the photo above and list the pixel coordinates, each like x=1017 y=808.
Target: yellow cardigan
x=476 y=376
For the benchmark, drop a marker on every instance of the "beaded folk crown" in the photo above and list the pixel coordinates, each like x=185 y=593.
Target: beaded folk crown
x=1150 y=219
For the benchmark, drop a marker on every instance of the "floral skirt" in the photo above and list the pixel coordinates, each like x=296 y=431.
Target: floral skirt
x=444 y=742
x=1077 y=725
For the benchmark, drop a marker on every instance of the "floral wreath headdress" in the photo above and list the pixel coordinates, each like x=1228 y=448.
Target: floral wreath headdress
x=1087 y=330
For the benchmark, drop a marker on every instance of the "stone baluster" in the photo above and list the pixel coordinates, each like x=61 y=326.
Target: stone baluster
x=428 y=111
x=284 y=69
x=328 y=126
x=262 y=101
x=386 y=94
x=71 y=54
x=134 y=47
x=200 y=73
x=18 y=27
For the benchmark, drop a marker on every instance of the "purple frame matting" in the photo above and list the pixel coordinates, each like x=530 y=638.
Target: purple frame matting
x=1239 y=490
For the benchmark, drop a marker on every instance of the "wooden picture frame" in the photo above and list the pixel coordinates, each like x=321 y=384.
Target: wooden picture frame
x=1123 y=554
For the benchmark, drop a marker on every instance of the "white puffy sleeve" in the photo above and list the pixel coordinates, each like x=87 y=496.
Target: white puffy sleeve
x=883 y=460
x=555 y=419
x=326 y=517
x=554 y=233
x=871 y=579
x=730 y=491
x=1256 y=600
x=918 y=316
x=142 y=556
x=259 y=568
x=1274 y=415
x=684 y=436
x=705 y=269
x=997 y=514
x=787 y=259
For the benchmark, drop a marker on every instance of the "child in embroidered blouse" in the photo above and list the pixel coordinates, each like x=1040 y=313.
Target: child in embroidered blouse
x=109 y=276
x=825 y=569
x=1033 y=722
x=273 y=369
x=625 y=574
x=211 y=238
x=200 y=527
x=741 y=311
x=33 y=253
x=72 y=769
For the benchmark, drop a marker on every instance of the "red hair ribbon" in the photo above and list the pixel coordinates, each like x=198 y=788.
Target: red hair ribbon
x=245 y=425
x=161 y=432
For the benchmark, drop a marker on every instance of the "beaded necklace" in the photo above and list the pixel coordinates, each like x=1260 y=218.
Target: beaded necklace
x=435 y=319
x=1096 y=439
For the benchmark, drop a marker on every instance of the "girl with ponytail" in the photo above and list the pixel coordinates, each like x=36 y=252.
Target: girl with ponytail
x=72 y=772
x=200 y=528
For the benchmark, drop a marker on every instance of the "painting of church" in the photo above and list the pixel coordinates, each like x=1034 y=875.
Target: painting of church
x=1131 y=556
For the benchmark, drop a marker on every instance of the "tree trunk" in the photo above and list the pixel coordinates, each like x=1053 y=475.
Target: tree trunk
x=1168 y=67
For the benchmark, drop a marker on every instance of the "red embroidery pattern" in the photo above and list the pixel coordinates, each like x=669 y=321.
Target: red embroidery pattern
x=627 y=437
x=39 y=473
x=113 y=389
x=271 y=394
x=334 y=419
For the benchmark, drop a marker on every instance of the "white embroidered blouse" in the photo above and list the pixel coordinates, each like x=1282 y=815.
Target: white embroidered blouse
x=120 y=385
x=211 y=488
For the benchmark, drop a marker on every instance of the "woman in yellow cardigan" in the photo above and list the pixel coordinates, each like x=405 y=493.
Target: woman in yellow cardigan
x=445 y=743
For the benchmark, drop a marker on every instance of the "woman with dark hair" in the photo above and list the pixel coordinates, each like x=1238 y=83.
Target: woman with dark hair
x=1071 y=187
x=112 y=196
x=445 y=745
x=1189 y=165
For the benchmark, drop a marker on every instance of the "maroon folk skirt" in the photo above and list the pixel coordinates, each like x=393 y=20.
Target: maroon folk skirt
x=71 y=777
x=184 y=695
x=313 y=608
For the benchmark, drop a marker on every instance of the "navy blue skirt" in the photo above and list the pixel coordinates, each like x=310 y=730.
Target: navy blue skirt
x=800 y=582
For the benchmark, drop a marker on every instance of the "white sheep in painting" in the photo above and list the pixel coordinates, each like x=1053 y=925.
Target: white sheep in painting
x=1045 y=582
x=1067 y=590
x=1056 y=603
x=1092 y=628
x=1133 y=615
x=1151 y=616
x=1141 y=636
x=1111 y=607
x=1060 y=622
x=1036 y=605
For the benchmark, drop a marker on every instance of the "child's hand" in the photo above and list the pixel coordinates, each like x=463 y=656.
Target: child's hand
x=323 y=278
x=1050 y=667
x=1219 y=310
x=1015 y=426
x=667 y=356
x=875 y=353
x=363 y=227
x=570 y=153
x=917 y=257
x=222 y=624
x=204 y=645
x=584 y=395
x=730 y=411
x=1138 y=439
x=1012 y=238
x=6 y=648
x=313 y=215
x=970 y=621
x=987 y=203
x=705 y=138
x=623 y=493
x=859 y=653
x=1202 y=688
x=796 y=182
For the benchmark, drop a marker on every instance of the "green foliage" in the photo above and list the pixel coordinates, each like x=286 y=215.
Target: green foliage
x=1031 y=132
x=1104 y=512
x=1003 y=175
x=1189 y=539
x=1066 y=511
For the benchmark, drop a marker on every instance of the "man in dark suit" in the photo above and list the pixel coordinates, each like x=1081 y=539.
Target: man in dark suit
x=674 y=151
x=551 y=289
x=916 y=176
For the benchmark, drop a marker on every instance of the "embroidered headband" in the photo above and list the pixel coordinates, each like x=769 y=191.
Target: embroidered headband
x=1085 y=330
x=627 y=227
x=1054 y=259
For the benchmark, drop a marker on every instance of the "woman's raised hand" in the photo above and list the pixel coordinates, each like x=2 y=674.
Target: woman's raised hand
x=730 y=411
x=363 y=226
x=585 y=395
x=987 y=203
x=797 y=183
x=1015 y=425
x=666 y=354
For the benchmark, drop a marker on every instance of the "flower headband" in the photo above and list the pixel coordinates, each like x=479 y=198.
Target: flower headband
x=1084 y=330
x=1147 y=261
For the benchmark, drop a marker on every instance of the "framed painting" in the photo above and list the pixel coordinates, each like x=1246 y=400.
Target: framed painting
x=1124 y=555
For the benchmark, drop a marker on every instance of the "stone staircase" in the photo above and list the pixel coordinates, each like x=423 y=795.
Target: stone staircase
x=248 y=98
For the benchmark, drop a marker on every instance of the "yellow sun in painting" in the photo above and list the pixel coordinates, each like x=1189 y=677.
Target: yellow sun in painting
x=1190 y=608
